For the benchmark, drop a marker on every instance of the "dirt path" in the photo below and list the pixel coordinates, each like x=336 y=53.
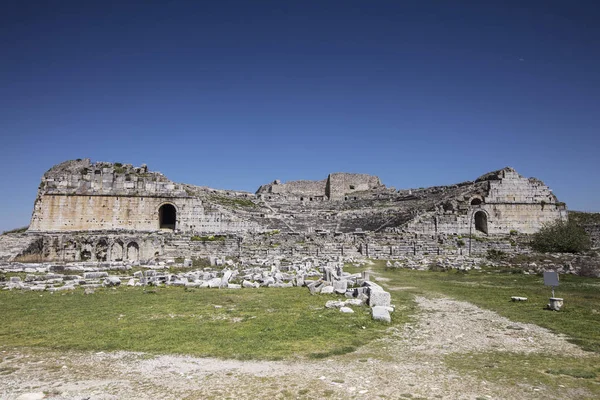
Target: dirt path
x=407 y=363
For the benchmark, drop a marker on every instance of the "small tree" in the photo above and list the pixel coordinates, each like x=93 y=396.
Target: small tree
x=561 y=237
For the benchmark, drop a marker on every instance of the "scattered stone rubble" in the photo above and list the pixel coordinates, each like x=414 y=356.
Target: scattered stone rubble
x=320 y=277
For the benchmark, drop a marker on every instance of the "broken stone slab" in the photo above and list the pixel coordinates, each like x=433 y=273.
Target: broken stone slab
x=112 y=281
x=95 y=275
x=380 y=313
x=372 y=285
x=327 y=290
x=250 y=285
x=267 y=282
x=315 y=287
x=379 y=298
x=233 y=286
x=180 y=282
x=65 y=287
x=346 y=310
x=226 y=276
x=354 y=302
x=214 y=283
x=517 y=298
x=334 y=304
x=340 y=286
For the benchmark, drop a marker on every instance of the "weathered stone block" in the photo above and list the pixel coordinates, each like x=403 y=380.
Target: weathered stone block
x=379 y=298
x=380 y=313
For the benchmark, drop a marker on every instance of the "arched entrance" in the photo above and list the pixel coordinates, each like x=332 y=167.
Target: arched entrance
x=167 y=216
x=133 y=251
x=481 y=223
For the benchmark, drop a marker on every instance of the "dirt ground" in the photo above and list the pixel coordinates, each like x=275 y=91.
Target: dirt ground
x=407 y=363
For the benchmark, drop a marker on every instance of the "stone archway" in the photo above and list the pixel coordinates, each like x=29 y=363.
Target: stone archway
x=101 y=250
x=133 y=251
x=167 y=216
x=481 y=222
x=116 y=251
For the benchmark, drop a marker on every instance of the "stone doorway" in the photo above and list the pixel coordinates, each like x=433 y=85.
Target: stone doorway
x=481 y=223
x=167 y=216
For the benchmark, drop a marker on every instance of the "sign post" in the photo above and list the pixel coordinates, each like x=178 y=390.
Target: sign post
x=551 y=279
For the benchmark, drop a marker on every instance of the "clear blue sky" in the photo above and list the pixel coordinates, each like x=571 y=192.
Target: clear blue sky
x=235 y=94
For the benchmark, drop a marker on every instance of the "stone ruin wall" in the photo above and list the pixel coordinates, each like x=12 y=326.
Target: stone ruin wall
x=81 y=196
x=136 y=247
x=90 y=213
x=511 y=202
x=294 y=190
x=340 y=184
x=334 y=188
x=108 y=212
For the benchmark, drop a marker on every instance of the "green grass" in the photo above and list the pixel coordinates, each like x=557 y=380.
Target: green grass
x=271 y=323
x=17 y=230
x=560 y=375
x=492 y=289
x=211 y=238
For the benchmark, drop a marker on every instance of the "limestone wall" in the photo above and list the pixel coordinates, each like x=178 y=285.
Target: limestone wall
x=102 y=178
x=295 y=188
x=339 y=184
x=81 y=213
x=513 y=188
x=92 y=213
x=500 y=218
x=511 y=202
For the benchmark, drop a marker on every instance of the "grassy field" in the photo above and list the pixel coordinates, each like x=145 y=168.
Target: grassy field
x=277 y=323
x=270 y=323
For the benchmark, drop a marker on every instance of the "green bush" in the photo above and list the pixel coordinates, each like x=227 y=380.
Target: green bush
x=496 y=255
x=210 y=238
x=561 y=237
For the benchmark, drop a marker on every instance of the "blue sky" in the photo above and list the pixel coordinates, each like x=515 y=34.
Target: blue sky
x=235 y=94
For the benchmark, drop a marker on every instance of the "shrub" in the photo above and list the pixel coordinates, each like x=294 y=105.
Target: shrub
x=561 y=237
x=210 y=238
x=496 y=255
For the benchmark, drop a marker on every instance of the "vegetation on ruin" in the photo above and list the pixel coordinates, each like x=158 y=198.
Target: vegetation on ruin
x=561 y=237
x=210 y=238
x=17 y=230
x=266 y=323
x=232 y=202
x=584 y=218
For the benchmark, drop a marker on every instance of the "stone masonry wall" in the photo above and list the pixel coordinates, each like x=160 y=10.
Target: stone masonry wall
x=80 y=213
x=510 y=203
x=340 y=184
x=294 y=189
